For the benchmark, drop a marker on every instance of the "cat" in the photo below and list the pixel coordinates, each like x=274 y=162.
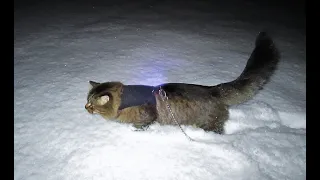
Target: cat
x=205 y=107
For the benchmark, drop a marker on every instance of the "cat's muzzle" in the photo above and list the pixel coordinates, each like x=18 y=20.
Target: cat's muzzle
x=89 y=108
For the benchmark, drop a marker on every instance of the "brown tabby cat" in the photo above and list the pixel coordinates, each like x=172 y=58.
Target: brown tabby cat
x=205 y=107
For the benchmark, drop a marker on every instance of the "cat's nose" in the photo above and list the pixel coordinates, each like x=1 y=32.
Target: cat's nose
x=88 y=105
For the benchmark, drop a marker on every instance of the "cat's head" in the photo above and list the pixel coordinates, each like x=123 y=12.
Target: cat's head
x=104 y=98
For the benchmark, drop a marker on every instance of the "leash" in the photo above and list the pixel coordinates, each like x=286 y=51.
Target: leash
x=165 y=98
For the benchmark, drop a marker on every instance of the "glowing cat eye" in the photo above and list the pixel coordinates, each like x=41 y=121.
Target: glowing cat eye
x=103 y=100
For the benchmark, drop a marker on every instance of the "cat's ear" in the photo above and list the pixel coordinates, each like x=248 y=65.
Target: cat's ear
x=93 y=84
x=103 y=100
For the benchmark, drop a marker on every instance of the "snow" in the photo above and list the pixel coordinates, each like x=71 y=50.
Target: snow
x=59 y=47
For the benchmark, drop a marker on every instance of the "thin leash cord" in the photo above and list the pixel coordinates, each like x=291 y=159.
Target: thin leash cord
x=164 y=98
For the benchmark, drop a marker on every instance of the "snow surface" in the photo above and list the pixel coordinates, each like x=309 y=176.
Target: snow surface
x=59 y=47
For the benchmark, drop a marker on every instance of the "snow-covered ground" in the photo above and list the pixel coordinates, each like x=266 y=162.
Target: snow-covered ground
x=59 y=47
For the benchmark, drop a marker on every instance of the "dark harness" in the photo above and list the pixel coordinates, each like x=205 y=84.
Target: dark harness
x=135 y=95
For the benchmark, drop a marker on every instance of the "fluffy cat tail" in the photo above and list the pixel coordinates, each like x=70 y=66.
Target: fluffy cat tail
x=257 y=72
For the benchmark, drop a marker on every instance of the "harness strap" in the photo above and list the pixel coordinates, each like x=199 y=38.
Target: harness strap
x=136 y=95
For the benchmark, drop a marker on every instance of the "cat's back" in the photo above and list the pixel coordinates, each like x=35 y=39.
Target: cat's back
x=186 y=91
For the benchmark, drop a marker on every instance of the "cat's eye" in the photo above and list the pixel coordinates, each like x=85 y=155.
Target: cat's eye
x=103 y=100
